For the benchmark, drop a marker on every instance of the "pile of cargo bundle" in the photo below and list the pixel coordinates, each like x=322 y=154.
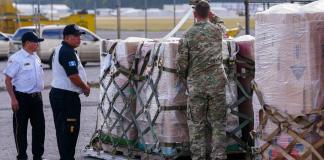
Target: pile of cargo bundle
x=238 y=60
x=143 y=103
x=289 y=82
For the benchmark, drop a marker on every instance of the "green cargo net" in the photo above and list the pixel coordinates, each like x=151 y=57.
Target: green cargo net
x=131 y=120
x=240 y=133
x=134 y=109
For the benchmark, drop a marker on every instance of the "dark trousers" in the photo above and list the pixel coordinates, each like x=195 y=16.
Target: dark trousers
x=30 y=107
x=66 y=108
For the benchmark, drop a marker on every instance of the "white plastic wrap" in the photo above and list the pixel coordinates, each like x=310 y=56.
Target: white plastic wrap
x=246 y=46
x=315 y=7
x=229 y=49
x=171 y=125
x=245 y=68
x=142 y=102
x=124 y=56
x=290 y=64
x=285 y=8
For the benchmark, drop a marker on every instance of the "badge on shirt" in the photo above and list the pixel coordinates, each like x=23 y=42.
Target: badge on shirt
x=27 y=66
x=72 y=63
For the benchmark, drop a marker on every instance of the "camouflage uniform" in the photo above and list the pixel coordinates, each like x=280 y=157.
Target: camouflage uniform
x=199 y=62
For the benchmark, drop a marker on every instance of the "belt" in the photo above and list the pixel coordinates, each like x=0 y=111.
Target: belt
x=35 y=94
x=65 y=91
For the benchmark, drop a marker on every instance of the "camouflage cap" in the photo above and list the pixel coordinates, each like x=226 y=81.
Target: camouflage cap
x=195 y=2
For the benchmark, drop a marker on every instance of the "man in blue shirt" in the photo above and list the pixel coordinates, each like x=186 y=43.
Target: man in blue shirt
x=69 y=80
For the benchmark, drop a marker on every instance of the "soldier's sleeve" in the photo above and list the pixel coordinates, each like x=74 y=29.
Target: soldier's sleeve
x=219 y=22
x=182 y=58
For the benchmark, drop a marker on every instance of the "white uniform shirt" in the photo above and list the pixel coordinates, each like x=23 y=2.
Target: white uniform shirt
x=26 y=72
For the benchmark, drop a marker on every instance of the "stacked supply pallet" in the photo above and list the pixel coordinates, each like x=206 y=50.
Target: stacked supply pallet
x=164 y=97
x=118 y=97
x=143 y=103
x=289 y=81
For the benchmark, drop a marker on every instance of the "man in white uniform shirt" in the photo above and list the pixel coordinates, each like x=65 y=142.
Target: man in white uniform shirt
x=24 y=83
x=69 y=80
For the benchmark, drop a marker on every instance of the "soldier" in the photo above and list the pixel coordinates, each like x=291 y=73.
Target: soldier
x=211 y=16
x=199 y=63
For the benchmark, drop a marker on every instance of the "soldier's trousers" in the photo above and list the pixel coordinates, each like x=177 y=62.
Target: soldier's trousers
x=207 y=124
x=66 y=108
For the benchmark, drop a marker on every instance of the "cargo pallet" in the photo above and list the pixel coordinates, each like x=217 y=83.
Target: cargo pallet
x=121 y=144
x=121 y=153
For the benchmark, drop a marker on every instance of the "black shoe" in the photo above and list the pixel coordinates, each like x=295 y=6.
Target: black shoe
x=25 y=157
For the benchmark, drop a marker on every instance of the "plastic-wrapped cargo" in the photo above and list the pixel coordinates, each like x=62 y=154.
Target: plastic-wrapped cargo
x=246 y=45
x=314 y=13
x=229 y=51
x=143 y=101
x=117 y=93
x=143 y=108
x=167 y=106
x=289 y=72
x=245 y=74
x=154 y=121
x=165 y=99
